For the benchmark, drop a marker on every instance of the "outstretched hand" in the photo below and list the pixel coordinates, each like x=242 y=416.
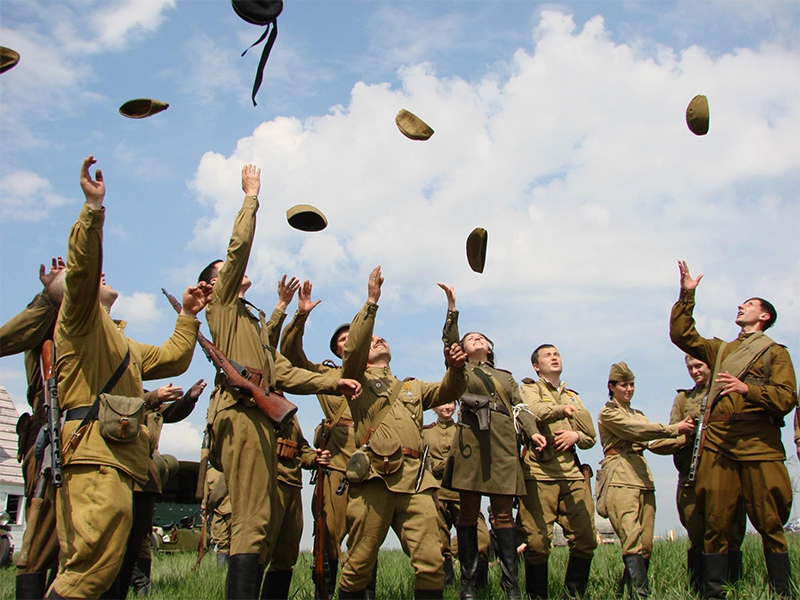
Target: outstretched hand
x=93 y=190
x=349 y=388
x=374 y=285
x=687 y=283
x=195 y=297
x=304 y=303
x=169 y=393
x=53 y=281
x=450 y=292
x=251 y=180
x=286 y=292
x=197 y=389
x=455 y=356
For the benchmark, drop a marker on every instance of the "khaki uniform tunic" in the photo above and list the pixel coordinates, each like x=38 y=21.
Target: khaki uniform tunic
x=438 y=437
x=26 y=332
x=624 y=433
x=383 y=501
x=556 y=488
x=743 y=460
x=341 y=442
x=94 y=506
x=243 y=437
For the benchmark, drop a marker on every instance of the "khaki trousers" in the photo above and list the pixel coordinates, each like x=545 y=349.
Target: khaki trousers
x=762 y=487
x=691 y=516
x=447 y=518
x=221 y=531
x=94 y=514
x=567 y=502
x=632 y=512
x=335 y=515
x=288 y=513
x=244 y=444
x=372 y=509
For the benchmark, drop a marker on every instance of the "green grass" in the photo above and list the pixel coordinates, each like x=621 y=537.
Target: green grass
x=174 y=579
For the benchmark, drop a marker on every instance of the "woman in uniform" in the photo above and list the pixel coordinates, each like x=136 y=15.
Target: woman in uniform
x=625 y=479
x=484 y=458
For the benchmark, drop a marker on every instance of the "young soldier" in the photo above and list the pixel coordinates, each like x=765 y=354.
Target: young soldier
x=26 y=333
x=743 y=458
x=94 y=505
x=242 y=436
x=392 y=494
x=687 y=404
x=438 y=436
x=556 y=487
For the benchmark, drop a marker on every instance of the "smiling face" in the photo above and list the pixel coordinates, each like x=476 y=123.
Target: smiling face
x=622 y=391
x=698 y=370
x=379 y=352
x=445 y=411
x=476 y=347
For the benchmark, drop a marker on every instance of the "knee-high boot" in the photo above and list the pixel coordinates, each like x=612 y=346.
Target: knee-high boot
x=509 y=562
x=468 y=557
x=244 y=577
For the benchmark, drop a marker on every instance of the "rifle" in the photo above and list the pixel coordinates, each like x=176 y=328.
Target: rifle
x=48 y=359
x=273 y=404
x=200 y=491
x=320 y=568
x=701 y=422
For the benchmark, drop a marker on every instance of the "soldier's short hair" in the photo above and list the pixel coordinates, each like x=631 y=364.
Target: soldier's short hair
x=211 y=271
x=769 y=309
x=535 y=355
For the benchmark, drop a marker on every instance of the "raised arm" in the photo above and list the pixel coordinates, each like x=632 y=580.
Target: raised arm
x=229 y=280
x=450 y=329
x=673 y=444
x=292 y=336
x=359 y=339
x=682 y=329
x=453 y=384
x=633 y=430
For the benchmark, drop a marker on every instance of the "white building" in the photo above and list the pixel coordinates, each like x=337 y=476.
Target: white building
x=12 y=488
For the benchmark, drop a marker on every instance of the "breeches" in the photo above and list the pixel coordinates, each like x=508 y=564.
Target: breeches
x=94 y=511
x=335 y=515
x=471 y=508
x=288 y=513
x=725 y=485
x=221 y=531
x=691 y=515
x=39 y=551
x=372 y=509
x=632 y=512
x=567 y=502
x=244 y=444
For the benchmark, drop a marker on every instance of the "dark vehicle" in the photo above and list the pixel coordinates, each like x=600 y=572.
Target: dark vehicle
x=177 y=521
x=6 y=547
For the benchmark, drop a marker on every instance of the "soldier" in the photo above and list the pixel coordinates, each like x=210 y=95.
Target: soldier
x=556 y=487
x=394 y=489
x=94 y=505
x=438 y=436
x=242 y=436
x=484 y=459
x=26 y=333
x=743 y=456
x=625 y=484
x=687 y=404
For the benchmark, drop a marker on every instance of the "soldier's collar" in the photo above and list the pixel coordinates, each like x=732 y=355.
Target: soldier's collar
x=450 y=422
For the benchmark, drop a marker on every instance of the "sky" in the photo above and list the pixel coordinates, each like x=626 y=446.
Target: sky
x=559 y=128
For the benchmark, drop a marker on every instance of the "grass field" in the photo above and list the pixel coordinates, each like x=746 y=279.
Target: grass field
x=174 y=579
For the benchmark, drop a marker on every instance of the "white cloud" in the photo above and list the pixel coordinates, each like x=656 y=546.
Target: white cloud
x=26 y=196
x=182 y=440
x=140 y=308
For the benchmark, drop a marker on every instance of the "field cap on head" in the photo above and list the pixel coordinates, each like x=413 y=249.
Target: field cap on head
x=335 y=336
x=411 y=126
x=697 y=116
x=306 y=218
x=8 y=59
x=476 y=249
x=142 y=107
x=620 y=372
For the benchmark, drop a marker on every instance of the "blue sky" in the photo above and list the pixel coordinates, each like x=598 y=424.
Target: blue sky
x=559 y=128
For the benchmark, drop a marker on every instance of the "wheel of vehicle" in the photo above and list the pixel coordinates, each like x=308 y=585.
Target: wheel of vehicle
x=155 y=542
x=5 y=552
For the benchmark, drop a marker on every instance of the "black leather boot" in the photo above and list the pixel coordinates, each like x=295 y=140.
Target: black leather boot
x=536 y=581
x=31 y=586
x=244 y=577
x=715 y=574
x=577 y=576
x=53 y=595
x=482 y=574
x=468 y=557
x=115 y=591
x=694 y=568
x=637 y=572
x=779 y=570
x=140 y=578
x=372 y=584
x=428 y=594
x=734 y=566
x=509 y=562
x=449 y=574
x=276 y=585
x=331 y=576
x=222 y=560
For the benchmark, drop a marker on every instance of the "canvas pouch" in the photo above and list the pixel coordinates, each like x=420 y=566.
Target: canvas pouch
x=120 y=417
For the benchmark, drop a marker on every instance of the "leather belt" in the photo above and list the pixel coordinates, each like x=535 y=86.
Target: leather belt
x=411 y=452
x=345 y=423
x=499 y=407
x=613 y=452
x=77 y=414
x=761 y=417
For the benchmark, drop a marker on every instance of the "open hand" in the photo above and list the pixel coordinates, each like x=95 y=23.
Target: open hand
x=286 y=292
x=304 y=303
x=197 y=389
x=687 y=283
x=251 y=180
x=374 y=285
x=93 y=190
x=53 y=281
x=169 y=393
x=450 y=292
x=195 y=297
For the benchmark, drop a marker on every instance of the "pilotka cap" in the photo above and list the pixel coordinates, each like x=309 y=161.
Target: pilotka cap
x=8 y=59
x=476 y=249
x=142 y=107
x=411 y=126
x=620 y=372
x=306 y=218
x=697 y=117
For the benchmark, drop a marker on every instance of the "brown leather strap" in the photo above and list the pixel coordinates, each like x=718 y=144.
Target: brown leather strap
x=411 y=452
x=762 y=417
x=614 y=452
x=287 y=442
x=345 y=423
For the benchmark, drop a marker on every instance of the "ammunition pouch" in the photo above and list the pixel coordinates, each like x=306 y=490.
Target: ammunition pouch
x=385 y=456
x=286 y=449
x=120 y=417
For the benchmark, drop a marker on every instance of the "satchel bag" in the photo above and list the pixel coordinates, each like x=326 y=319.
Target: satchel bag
x=604 y=476
x=385 y=456
x=120 y=417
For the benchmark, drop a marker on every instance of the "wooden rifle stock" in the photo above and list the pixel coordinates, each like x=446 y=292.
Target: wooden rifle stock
x=320 y=561
x=48 y=359
x=273 y=404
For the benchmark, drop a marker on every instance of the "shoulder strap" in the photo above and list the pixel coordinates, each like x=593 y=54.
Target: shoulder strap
x=488 y=380
x=384 y=411
x=92 y=414
x=337 y=417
